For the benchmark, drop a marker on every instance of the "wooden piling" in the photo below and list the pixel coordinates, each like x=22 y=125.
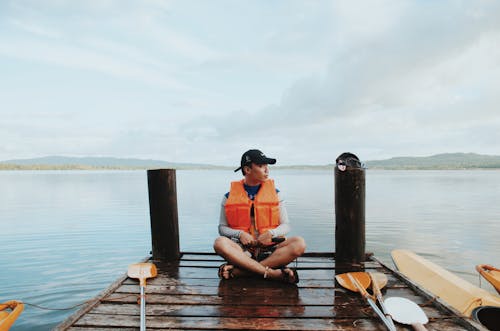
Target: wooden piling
x=349 y=210
x=164 y=216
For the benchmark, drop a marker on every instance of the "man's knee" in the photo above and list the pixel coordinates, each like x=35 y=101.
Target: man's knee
x=298 y=246
x=218 y=243
x=222 y=244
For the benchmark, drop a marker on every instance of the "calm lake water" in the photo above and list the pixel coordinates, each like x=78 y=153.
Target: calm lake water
x=66 y=235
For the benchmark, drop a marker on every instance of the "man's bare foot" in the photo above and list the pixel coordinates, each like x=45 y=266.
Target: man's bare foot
x=287 y=275
x=290 y=275
x=226 y=271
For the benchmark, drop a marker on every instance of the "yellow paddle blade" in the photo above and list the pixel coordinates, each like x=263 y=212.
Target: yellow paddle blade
x=142 y=271
x=362 y=277
x=9 y=312
x=379 y=279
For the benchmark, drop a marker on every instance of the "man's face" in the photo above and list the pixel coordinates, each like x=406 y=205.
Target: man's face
x=258 y=172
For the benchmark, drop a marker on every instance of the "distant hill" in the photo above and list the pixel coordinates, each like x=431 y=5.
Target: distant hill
x=439 y=161
x=63 y=162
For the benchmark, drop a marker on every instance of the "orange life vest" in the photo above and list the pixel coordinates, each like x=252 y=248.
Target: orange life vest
x=266 y=208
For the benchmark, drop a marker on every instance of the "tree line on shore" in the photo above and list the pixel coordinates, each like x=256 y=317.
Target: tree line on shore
x=448 y=161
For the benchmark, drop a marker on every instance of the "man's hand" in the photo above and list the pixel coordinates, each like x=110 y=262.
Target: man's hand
x=246 y=239
x=265 y=239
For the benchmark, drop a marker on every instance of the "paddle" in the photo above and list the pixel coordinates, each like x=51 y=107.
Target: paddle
x=8 y=318
x=377 y=279
x=361 y=280
x=142 y=271
x=362 y=277
x=405 y=311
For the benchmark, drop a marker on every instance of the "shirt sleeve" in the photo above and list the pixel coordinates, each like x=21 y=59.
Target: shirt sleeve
x=224 y=229
x=284 y=227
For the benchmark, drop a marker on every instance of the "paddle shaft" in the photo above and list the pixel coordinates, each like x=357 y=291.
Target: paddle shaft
x=143 y=309
x=384 y=310
x=378 y=294
x=363 y=292
x=380 y=314
x=142 y=271
x=419 y=327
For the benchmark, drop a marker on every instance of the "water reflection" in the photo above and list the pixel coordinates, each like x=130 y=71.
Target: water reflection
x=259 y=298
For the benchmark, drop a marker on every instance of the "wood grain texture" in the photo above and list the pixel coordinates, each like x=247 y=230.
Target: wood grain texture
x=187 y=295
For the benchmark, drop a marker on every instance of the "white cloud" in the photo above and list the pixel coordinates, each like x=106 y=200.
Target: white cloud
x=87 y=59
x=42 y=31
x=429 y=80
x=180 y=79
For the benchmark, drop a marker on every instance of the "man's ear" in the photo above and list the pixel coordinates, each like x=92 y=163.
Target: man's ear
x=246 y=169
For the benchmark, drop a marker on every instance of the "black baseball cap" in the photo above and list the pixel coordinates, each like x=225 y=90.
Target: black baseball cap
x=254 y=156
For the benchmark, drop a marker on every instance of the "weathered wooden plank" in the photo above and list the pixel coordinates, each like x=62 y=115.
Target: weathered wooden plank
x=207 y=273
x=216 y=264
x=336 y=311
x=259 y=290
x=277 y=296
x=214 y=257
x=303 y=263
x=167 y=281
x=227 y=311
x=163 y=280
x=315 y=255
x=228 y=323
x=224 y=300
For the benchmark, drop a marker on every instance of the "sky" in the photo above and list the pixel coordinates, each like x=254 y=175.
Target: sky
x=203 y=81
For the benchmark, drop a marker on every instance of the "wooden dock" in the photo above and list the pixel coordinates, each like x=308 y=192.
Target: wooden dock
x=188 y=295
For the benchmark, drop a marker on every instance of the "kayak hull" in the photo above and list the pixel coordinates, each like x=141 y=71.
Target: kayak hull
x=491 y=274
x=7 y=318
x=455 y=291
x=488 y=316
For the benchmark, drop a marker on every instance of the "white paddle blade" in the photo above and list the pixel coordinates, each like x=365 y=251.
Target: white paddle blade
x=405 y=311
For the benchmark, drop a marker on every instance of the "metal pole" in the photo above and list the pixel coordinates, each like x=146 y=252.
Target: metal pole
x=143 y=310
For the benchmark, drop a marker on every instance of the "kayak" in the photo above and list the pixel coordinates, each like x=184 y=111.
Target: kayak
x=455 y=291
x=9 y=312
x=491 y=274
x=488 y=316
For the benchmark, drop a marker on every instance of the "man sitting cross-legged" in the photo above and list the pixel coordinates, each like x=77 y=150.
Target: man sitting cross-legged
x=252 y=218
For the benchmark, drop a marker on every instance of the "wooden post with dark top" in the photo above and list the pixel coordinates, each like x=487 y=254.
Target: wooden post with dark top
x=164 y=217
x=349 y=210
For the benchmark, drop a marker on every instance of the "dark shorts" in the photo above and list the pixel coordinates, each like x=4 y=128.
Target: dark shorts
x=256 y=254
x=261 y=253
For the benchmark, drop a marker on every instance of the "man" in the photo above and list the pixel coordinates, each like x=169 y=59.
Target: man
x=252 y=218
